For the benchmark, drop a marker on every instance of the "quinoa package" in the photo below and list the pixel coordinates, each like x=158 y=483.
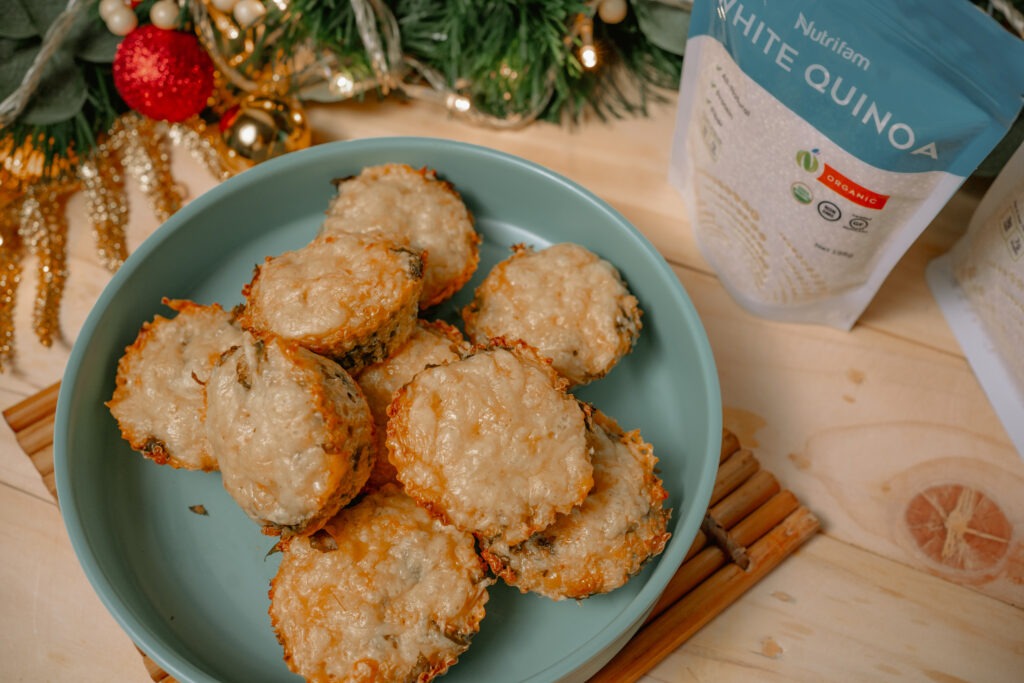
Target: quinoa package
x=979 y=285
x=815 y=141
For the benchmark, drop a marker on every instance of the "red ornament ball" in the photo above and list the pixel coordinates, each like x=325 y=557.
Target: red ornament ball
x=163 y=74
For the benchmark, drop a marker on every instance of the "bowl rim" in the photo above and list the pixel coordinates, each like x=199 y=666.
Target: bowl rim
x=590 y=655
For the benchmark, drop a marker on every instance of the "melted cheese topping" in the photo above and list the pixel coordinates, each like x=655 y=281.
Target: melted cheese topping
x=492 y=442
x=336 y=293
x=596 y=547
x=431 y=343
x=564 y=301
x=292 y=431
x=415 y=209
x=383 y=593
x=158 y=401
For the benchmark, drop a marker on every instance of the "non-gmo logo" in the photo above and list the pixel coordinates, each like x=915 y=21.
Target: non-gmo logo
x=807 y=160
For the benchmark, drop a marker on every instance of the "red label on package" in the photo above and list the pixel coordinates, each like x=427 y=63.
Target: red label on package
x=858 y=194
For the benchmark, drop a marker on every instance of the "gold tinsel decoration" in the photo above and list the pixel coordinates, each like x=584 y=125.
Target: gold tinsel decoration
x=34 y=198
x=11 y=250
x=43 y=226
x=147 y=154
x=195 y=139
x=102 y=179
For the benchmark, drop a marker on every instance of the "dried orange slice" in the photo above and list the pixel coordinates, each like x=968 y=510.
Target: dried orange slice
x=958 y=527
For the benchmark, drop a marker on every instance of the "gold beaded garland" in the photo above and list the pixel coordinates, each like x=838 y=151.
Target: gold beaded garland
x=43 y=227
x=11 y=255
x=102 y=179
x=147 y=156
x=34 y=197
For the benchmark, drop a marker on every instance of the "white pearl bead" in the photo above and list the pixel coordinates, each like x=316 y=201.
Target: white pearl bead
x=122 y=22
x=248 y=12
x=164 y=14
x=108 y=7
x=224 y=5
x=612 y=11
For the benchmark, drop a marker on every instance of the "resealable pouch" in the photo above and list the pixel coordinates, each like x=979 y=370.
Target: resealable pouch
x=979 y=286
x=815 y=141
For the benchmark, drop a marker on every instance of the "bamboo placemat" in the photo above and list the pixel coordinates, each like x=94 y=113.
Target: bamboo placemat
x=752 y=524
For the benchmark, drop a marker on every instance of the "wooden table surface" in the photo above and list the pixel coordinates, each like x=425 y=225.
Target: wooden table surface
x=861 y=425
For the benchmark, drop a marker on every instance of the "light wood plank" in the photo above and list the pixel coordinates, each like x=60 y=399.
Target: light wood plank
x=678 y=623
x=52 y=623
x=860 y=424
x=836 y=613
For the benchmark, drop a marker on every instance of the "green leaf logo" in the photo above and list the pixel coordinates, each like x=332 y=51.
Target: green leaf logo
x=807 y=161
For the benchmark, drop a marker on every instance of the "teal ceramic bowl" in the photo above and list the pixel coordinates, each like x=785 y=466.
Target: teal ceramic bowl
x=191 y=590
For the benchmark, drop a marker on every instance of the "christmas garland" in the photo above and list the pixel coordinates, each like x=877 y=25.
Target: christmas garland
x=507 y=56
x=82 y=107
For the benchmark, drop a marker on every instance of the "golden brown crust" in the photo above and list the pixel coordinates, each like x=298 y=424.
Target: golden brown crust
x=353 y=298
x=432 y=343
x=413 y=207
x=565 y=301
x=382 y=593
x=293 y=431
x=158 y=397
x=491 y=442
x=598 y=546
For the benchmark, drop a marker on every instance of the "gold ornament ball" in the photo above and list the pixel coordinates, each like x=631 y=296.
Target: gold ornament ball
x=262 y=128
x=612 y=11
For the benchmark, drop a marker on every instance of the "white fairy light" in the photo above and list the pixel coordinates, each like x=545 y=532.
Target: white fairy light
x=459 y=103
x=588 y=56
x=588 y=53
x=342 y=84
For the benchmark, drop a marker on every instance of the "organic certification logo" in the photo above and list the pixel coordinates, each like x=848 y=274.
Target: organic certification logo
x=802 y=193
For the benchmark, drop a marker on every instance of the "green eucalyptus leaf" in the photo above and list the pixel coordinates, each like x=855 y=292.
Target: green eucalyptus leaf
x=60 y=95
x=15 y=22
x=664 y=25
x=41 y=12
x=96 y=44
x=14 y=62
